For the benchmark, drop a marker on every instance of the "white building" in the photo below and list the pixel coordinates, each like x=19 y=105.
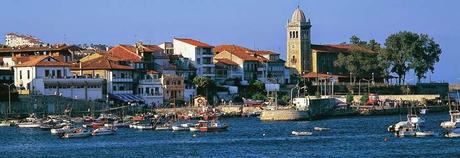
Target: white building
x=46 y=75
x=150 y=89
x=16 y=40
x=199 y=53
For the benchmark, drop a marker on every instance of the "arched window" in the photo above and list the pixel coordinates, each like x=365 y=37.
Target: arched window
x=297 y=34
x=290 y=34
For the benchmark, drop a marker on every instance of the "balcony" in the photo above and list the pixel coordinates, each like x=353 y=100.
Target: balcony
x=122 y=80
x=149 y=81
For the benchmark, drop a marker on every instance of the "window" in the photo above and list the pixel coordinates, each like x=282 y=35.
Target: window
x=53 y=73
x=59 y=74
x=20 y=74
x=147 y=90
x=28 y=74
x=114 y=88
x=290 y=34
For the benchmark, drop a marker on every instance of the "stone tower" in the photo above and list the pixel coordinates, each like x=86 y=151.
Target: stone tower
x=298 y=43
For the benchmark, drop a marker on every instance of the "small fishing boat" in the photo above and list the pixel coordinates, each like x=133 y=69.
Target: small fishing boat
x=210 y=126
x=454 y=119
x=321 y=129
x=104 y=131
x=77 y=133
x=301 y=133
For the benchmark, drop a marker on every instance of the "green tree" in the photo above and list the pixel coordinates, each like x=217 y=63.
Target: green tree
x=205 y=86
x=259 y=86
x=425 y=56
x=400 y=47
x=259 y=96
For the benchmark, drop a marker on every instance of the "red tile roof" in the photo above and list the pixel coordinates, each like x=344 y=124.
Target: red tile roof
x=344 y=48
x=226 y=61
x=228 y=47
x=194 y=42
x=243 y=55
x=40 y=61
x=102 y=63
x=124 y=53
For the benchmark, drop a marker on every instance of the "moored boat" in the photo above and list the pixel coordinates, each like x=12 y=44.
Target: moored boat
x=77 y=133
x=301 y=133
x=64 y=129
x=210 y=126
x=104 y=131
x=321 y=129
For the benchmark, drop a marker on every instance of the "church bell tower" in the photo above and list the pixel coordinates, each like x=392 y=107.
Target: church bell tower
x=298 y=43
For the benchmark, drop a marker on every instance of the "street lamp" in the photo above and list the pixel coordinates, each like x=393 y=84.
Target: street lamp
x=9 y=97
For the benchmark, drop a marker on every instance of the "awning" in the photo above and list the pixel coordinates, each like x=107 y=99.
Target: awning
x=126 y=97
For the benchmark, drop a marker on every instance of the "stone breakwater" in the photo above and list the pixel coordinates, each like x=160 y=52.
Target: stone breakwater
x=283 y=115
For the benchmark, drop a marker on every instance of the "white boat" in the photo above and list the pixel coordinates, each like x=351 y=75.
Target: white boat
x=453 y=134
x=78 y=133
x=301 y=133
x=29 y=125
x=405 y=133
x=321 y=129
x=454 y=119
x=64 y=129
x=194 y=129
x=144 y=127
x=5 y=124
x=423 y=133
x=104 y=131
x=182 y=127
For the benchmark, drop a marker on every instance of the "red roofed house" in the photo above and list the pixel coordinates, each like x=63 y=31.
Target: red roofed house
x=253 y=65
x=47 y=75
x=199 y=53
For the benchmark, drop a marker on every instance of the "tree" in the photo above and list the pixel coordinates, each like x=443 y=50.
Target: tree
x=259 y=96
x=362 y=60
x=205 y=85
x=424 y=57
x=401 y=47
x=259 y=86
x=408 y=50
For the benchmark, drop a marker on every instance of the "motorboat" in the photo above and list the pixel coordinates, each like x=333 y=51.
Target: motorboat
x=301 y=133
x=104 y=131
x=5 y=124
x=454 y=119
x=410 y=127
x=321 y=129
x=77 y=133
x=64 y=129
x=144 y=127
x=29 y=125
x=30 y=122
x=454 y=133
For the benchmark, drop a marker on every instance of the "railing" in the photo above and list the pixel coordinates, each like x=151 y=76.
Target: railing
x=122 y=80
x=152 y=95
x=123 y=92
x=149 y=81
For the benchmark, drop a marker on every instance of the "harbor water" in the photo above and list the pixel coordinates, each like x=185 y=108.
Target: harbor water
x=247 y=137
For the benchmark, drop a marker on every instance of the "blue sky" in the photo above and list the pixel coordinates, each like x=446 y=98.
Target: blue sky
x=258 y=24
